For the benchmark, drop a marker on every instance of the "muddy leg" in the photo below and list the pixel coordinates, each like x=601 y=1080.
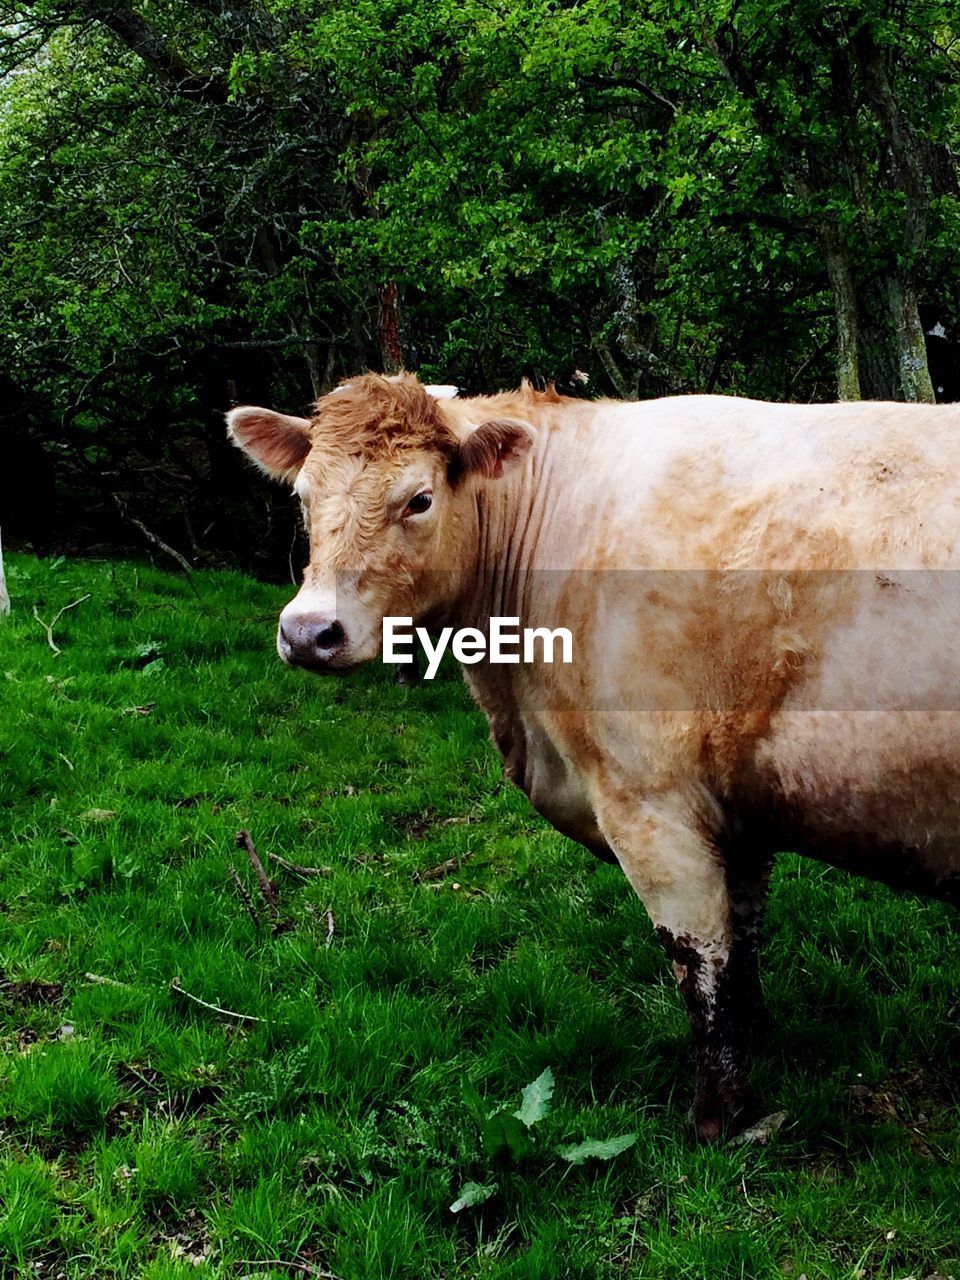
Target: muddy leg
x=748 y=883
x=679 y=873
x=707 y=976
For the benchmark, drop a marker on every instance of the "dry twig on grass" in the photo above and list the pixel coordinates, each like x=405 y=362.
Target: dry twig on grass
x=178 y=990
x=155 y=540
x=99 y=980
x=442 y=869
x=245 y=897
x=297 y=869
x=304 y=1268
x=244 y=841
x=330 y=928
x=48 y=626
x=159 y=543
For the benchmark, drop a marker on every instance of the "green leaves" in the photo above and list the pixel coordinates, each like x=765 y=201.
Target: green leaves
x=596 y=1148
x=536 y=1099
x=505 y=1133
x=472 y=1193
x=625 y=188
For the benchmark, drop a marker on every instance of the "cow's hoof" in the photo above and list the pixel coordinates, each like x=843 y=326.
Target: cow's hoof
x=709 y=1129
x=717 y=1119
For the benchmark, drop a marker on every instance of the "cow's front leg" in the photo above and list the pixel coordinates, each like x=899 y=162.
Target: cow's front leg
x=408 y=673
x=676 y=867
x=706 y=972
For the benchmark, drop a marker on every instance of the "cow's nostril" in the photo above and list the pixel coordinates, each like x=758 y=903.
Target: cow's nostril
x=331 y=636
x=310 y=639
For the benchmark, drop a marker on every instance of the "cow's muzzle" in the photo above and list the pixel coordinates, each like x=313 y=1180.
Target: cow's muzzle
x=312 y=640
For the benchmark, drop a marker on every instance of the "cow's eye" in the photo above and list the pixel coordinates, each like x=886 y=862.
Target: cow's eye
x=418 y=504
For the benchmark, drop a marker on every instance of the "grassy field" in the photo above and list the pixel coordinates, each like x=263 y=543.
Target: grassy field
x=334 y=1124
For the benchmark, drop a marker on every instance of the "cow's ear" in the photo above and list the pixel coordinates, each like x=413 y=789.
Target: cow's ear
x=276 y=442
x=493 y=448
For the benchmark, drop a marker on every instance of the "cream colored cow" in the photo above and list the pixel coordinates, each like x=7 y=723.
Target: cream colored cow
x=767 y=651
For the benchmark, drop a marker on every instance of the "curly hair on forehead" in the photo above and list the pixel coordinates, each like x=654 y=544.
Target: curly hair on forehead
x=373 y=415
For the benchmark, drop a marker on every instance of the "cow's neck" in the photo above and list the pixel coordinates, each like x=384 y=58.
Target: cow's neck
x=526 y=544
x=512 y=517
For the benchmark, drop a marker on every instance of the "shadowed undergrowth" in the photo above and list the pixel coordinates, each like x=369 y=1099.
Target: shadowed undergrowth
x=143 y=1135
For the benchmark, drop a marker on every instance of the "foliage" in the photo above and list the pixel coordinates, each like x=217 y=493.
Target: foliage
x=471 y=1194
x=597 y=1148
x=507 y=1133
x=160 y=1140
x=206 y=202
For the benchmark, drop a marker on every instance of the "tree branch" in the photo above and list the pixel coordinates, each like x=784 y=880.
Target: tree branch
x=153 y=48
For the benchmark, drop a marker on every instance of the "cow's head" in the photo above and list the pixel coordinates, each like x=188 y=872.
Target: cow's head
x=387 y=480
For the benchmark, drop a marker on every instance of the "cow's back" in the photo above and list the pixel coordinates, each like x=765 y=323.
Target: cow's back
x=719 y=482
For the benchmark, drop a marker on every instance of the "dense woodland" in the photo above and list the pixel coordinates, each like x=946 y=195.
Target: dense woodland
x=205 y=201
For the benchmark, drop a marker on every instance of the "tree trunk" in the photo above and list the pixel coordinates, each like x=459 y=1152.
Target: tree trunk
x=311 y=354
x=845 y=304
x=4 y=595
x=891 y=345
x=881 y=352
x=876 y=341
x=388 y=327
x=909 y=177
x=155 y=50
x=915 y=381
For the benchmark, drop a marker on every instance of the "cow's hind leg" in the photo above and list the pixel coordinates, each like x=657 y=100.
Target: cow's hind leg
x=679 y=873
x=748 y=883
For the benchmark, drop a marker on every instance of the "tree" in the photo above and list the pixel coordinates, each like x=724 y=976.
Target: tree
x=207 y=203
x=854 y=103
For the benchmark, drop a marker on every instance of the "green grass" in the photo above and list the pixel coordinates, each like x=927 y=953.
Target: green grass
x=143 y=1136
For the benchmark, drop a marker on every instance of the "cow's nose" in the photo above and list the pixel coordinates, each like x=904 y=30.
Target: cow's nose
x=310 y=639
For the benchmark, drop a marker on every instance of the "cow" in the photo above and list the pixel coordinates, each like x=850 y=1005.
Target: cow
x=767 y=650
